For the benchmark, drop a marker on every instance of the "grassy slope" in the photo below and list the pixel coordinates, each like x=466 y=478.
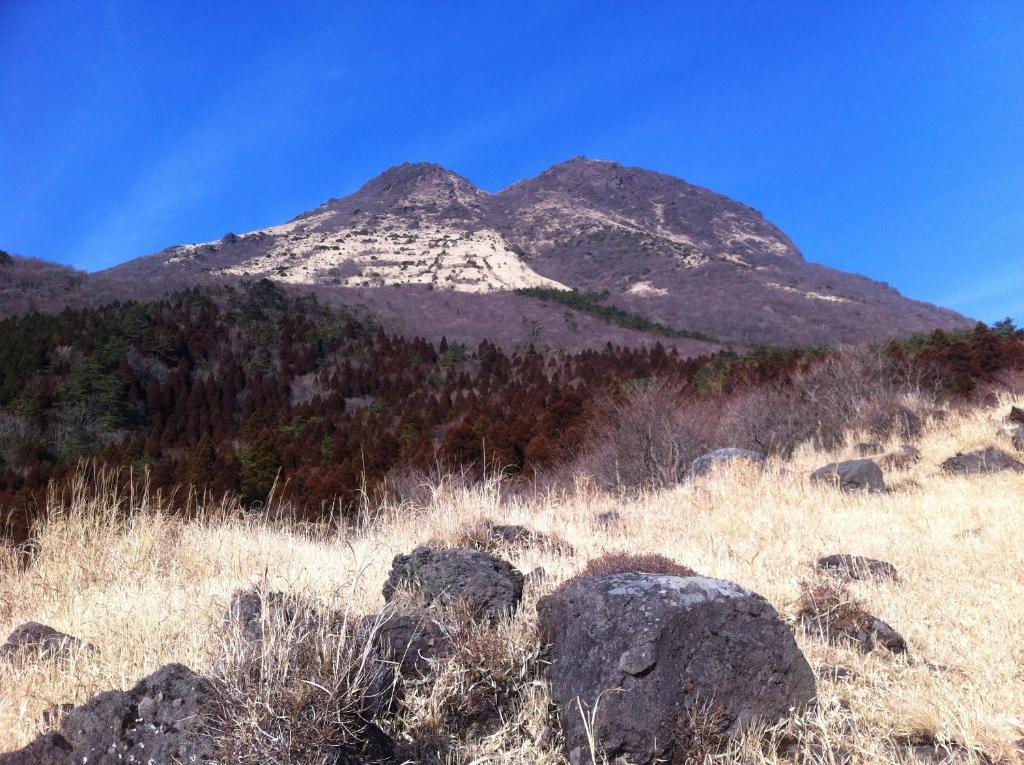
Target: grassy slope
x=153 y=590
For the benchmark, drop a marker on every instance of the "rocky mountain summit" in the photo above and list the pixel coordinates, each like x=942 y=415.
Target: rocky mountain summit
x=649 y=254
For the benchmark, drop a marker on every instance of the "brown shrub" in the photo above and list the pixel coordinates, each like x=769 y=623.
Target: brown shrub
x=312 y=686
x=700 y=734
x=645 y=436
x=629 y=563
x=827 y=608
x=495 y=538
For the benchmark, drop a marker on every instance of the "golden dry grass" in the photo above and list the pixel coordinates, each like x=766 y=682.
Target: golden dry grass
x=149 y=589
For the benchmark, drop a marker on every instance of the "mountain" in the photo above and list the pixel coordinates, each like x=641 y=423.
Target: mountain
x=654 y=258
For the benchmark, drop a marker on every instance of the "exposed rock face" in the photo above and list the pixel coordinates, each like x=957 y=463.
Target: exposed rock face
x=851 y=475
x=988 y=460
x=721 y=457
x=857 y=567
x=487 y=585
x=36 y=638
x=643 y=649
x=158 y=722
x=660 y=247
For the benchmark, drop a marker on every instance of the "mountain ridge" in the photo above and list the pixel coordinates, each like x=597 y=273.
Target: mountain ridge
x=676 y=254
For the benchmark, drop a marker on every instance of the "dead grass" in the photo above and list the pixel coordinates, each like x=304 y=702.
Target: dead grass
x=147 y=588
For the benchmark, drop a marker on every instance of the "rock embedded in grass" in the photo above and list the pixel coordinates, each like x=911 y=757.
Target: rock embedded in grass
x=851 y=475
x=491 y=588
x=857 y=567
x=987 y=460
x=413 y=641
x=642 y=653
x=42 y=640
x=162 y=720
x=868 y=448
x=903 y=457
x=828 y=610
x=246 y=612
x=722 y=457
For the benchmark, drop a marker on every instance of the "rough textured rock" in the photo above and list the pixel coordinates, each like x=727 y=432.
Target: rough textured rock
x=865 y=632
x=867 y=448
x=246 y=610
x=413 y=640
x=988 y=460
x=857 y=567
x=33 y=637
x=902 y=458
x=667 y=643
x=49 y=749
x=158 y=722
x=851 y=475
x=721 y=457
x=489 y=586
x=516 y=536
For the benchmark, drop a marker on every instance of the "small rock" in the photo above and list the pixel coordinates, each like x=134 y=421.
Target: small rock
x=867 y=448
x=882 y=634
x=835 y=672
x=902 y=458
x=721 y=457
x=851 y=475
x=988 y=460
x=45 y=641
x=246 y=609
x=413 y=641
x=488 y=585
x=537 y=577
x=608 y=518
x=516 y=536
x=857 y=567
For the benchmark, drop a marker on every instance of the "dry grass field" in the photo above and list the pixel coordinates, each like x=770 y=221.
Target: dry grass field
x=148 y=589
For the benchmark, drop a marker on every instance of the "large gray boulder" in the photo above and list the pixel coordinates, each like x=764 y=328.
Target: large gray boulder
x=640 y=652
x=988 y=460
x=158 y=722
x=489 y=586
x=851 y=475
x=722 y=457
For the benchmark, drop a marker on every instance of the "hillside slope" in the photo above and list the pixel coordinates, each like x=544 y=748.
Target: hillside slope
x=147 y=588
x=650 y=245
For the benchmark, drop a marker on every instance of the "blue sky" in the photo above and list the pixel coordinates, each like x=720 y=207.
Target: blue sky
x=885 y=138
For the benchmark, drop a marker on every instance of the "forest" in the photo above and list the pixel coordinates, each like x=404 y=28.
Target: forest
x=241 y=390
